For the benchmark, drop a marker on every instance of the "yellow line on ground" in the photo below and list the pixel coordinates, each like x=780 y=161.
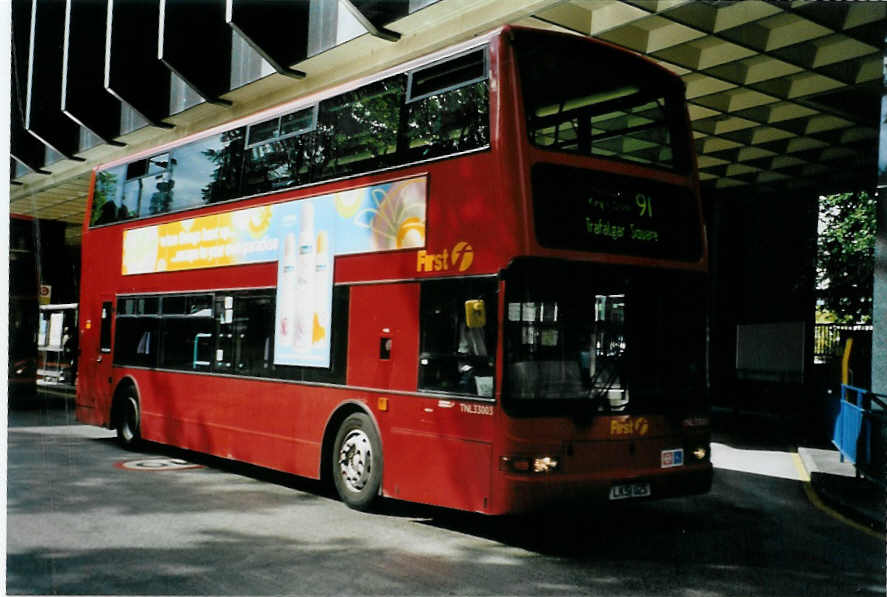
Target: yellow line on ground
x=818 y=503
x=799 y=465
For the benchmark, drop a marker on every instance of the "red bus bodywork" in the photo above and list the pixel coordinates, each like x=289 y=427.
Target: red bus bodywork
x=445 y=450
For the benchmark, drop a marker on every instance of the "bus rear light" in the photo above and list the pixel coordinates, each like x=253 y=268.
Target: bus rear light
x=696 y=422
x=527 y=464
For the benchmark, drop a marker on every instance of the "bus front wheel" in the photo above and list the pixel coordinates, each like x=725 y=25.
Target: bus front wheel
x=357 y=462
x=128 y=419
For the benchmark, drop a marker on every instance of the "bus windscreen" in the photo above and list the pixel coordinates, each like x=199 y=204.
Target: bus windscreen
x=590 y=338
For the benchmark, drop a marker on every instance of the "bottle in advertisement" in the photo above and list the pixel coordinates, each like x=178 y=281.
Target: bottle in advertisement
x=287 y=286
x=322 y=287
x=305 y=278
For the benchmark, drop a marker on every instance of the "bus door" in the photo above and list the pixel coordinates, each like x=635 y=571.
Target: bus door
x=96 y=381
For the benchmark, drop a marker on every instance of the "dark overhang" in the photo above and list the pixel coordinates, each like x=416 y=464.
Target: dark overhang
x=84 y=97
x=24 y=147
x=202 y=59
x=375 y=14
x=43 y=105
x=277 y=30
x=783 y=95
x=133 y=72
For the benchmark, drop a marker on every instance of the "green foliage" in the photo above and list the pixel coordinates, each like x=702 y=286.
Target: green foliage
x=846 y=256
x=225 y=179
x=103 y=198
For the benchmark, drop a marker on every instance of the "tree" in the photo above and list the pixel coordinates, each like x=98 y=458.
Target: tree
x=227 y=156
x=846 y=256
x=104 y=208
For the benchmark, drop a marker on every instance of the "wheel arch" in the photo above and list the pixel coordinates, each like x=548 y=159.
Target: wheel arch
x=126 y=383
x=342 y=412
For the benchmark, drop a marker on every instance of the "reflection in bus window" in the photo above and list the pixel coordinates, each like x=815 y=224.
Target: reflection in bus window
x=245 y=337
x=185 y=344
x=199 y=305
x=206 y=171
x=226 y=332
x=629 y=114
x=358 y=129
x=615 y=340
x=448 y=75
x=451 y=122
x=362 y=130
x=136 y=341
x=453 y=357
x=105 y=200
x=276 y=151
x=274 y=165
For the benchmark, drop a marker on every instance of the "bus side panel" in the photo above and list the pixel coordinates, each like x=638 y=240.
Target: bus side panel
x=472 y=223
x=437 y=451
x=261 y=422
x=93 y=401
x=182 y=410
x=280 y=427
x=383 y=340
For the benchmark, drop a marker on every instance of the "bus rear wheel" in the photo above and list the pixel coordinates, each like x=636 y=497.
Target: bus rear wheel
x=357 y=462
x=128 y=420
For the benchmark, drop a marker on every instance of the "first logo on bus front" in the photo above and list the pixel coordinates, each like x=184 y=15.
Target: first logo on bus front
x=460 y=258
x=623 y=426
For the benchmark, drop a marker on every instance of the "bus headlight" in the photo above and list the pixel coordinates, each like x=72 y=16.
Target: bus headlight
x=546 y=464
x=528 y=464
x=700 y=453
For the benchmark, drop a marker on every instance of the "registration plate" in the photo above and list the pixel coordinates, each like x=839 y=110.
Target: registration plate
x=629 y=490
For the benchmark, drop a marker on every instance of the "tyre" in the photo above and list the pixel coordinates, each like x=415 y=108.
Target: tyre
x=128 y=420
x=357 y=462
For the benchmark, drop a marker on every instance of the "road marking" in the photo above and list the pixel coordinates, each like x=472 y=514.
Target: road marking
x=770 y=463
x=818 y=503
x=156 y=464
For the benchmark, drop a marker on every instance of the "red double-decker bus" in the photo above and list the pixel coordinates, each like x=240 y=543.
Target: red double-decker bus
x=475 y=281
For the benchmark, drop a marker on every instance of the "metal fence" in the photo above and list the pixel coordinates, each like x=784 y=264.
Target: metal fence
x=860 y=432
x=827 y=339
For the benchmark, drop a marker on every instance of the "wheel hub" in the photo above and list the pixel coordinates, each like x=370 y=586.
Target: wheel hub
x=355 y=460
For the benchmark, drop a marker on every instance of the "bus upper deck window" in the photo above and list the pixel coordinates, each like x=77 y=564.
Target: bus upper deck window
x=452 y=73
x=280 y=127
x=263 y=131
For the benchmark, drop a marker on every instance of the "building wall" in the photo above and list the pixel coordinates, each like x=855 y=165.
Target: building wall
x=763 y=256
x=879 y=335
x=879 y=319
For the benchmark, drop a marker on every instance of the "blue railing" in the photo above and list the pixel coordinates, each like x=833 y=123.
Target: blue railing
x=860 y=430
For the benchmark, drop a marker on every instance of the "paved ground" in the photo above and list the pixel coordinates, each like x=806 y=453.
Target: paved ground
x=78 y=523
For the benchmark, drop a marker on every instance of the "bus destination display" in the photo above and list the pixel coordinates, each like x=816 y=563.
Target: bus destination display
x=606 y=213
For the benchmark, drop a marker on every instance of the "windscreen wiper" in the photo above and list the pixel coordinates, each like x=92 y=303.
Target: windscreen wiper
x=597 y=395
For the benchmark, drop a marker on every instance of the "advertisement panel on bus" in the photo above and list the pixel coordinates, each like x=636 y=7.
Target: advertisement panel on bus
x=304 y=237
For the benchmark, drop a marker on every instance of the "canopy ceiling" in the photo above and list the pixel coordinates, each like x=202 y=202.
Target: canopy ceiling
x=783 y=95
